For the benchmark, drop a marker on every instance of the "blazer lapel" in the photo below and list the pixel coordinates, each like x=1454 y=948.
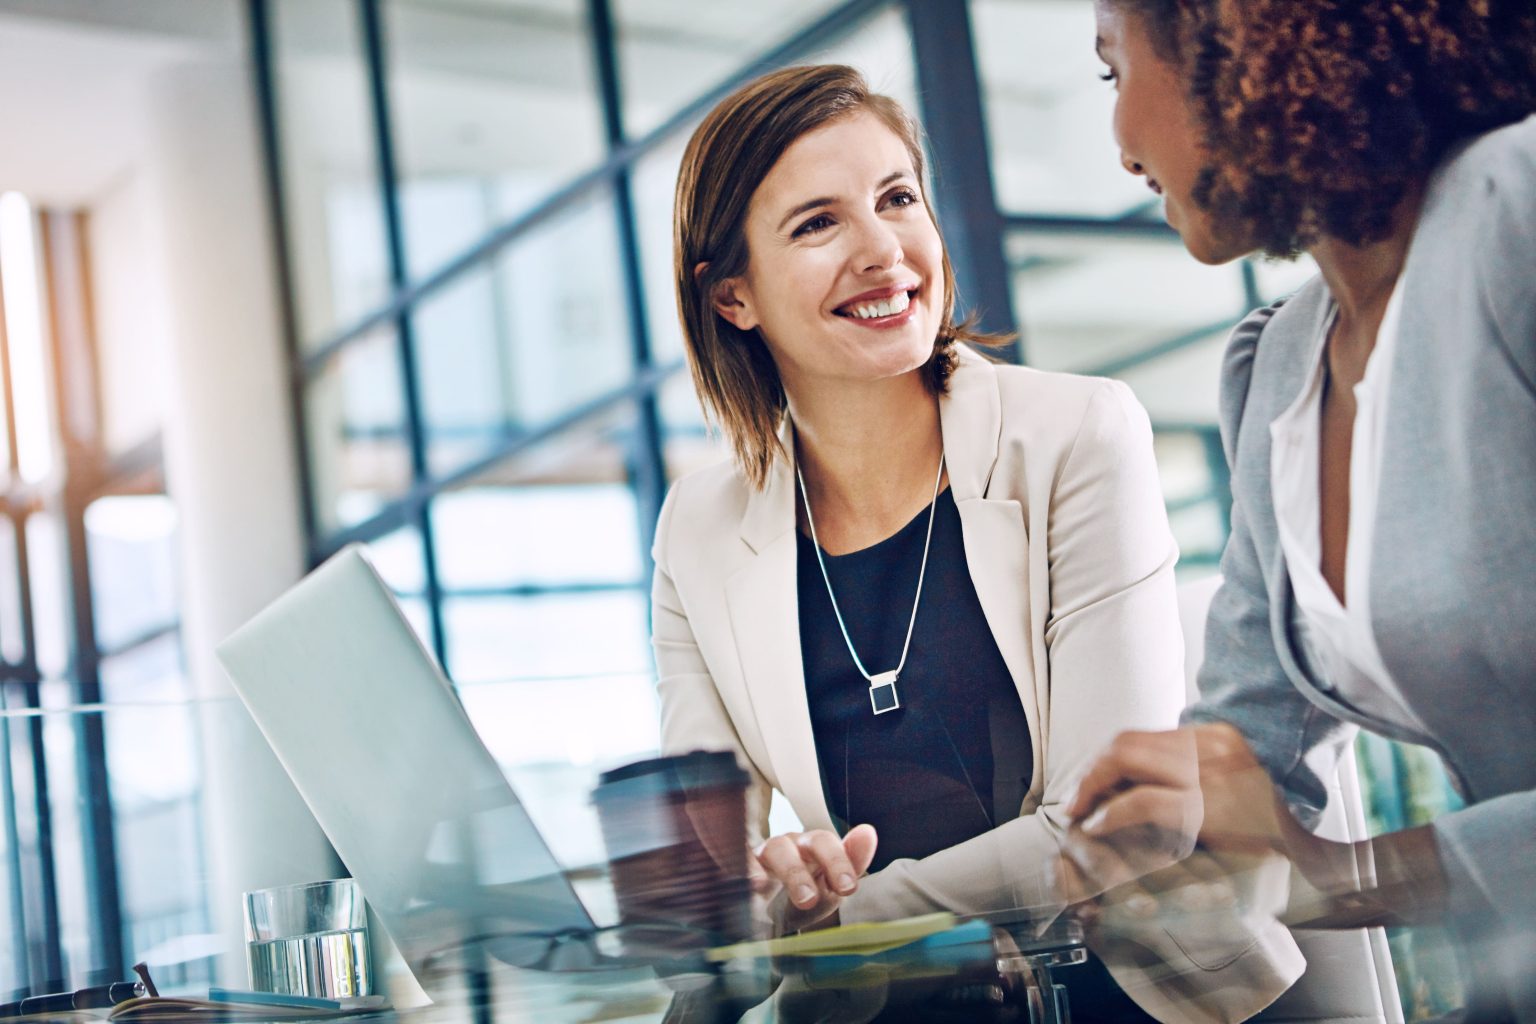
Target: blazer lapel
x=996 y=540
x=763 y=602
x=1291 y=650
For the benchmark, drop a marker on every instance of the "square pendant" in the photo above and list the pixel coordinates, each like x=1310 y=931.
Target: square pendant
x=882 y=693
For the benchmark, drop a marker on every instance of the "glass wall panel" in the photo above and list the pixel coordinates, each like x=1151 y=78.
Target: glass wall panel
x=24 y=733
x=13 y=937
x=511 y=347
x=1193 y=471
x=546 y=616
x=131 y=548
x=690 y=443
x=552 y=746
x=494 y=105
x=1182 y=386
x=551 y=532
x=333 y=202
x=62 y=746
x=539 y=560
x=1048 y=114
x=557 y=636
x=151 y=672
x=1091 y=303
x=653 y=181
x=880 y=46
x=673 y=51
x=359 y=446
x=1184 y=463
x=50 y=592
x=152 y=773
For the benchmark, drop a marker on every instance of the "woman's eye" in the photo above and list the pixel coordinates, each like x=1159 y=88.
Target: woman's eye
x=904 y=197
x=1109 y=76
x=820 y=222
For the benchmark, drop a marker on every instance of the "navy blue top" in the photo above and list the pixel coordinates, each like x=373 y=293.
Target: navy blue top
x=955 y=758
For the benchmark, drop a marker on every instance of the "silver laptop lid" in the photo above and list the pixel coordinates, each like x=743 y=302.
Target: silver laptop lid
x=380 y=749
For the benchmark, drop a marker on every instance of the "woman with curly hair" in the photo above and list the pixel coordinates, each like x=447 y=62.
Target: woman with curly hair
x=1381 y=429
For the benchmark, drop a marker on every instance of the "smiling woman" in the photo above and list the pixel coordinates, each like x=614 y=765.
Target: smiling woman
x=838 y=166
x=921 y=669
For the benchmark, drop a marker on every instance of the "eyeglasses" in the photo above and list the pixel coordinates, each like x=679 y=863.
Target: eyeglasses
x=617 y=947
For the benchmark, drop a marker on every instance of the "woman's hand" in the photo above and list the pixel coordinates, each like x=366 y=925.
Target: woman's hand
x=1137 y=810
x=1151 y=796
x=816 y=870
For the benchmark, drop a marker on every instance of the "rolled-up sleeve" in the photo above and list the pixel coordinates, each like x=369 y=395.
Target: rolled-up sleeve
x=1241 y=680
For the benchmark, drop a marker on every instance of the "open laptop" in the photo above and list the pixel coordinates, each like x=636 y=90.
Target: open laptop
x=379 y=747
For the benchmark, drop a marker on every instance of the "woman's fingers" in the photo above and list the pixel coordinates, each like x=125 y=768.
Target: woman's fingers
x=823 y=853
x=760 y=880
x=816 y=868
x=1138 y=758
x=781 y=859
x=859 y=846
x=1171 y=817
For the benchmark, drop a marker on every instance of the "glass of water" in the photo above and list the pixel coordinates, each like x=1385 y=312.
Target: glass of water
x=308 y=940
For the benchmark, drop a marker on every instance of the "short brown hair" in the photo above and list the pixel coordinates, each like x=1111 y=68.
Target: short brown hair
x=1320 y=118
x=727 y=159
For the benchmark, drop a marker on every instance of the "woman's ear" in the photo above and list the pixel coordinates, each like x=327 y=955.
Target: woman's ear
x=732 y=299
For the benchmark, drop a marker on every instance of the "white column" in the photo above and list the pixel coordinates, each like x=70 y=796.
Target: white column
x=230 y=461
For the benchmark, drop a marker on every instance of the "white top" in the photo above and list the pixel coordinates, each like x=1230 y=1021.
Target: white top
x=1339 y=637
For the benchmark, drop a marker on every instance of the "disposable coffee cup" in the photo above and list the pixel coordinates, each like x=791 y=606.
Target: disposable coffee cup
x=675 y=829
x=308 y=940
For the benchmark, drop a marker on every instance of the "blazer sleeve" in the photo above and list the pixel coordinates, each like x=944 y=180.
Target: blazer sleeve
x=692 y=715
x=1115 y=663
x=1241 y=680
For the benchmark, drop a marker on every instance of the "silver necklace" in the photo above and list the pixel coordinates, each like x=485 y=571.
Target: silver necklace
x=882 y=686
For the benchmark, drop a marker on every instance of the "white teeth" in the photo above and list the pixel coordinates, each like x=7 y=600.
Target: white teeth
x=897 y=303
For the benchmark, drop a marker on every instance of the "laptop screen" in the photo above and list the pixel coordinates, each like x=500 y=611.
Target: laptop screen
x=380 y=749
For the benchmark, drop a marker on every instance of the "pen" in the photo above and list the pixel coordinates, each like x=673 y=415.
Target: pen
x=94 y=997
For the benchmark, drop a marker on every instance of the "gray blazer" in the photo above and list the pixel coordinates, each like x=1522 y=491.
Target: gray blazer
x=1453 y=570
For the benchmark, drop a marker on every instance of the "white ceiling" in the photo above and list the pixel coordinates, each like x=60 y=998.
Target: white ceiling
x=73 y=74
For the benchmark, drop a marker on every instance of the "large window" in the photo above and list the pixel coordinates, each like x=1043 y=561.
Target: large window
x=98 y=782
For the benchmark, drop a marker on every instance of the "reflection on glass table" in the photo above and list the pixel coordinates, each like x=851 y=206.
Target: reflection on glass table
x=179 y=842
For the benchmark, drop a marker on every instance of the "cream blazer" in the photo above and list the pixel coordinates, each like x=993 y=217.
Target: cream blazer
x=1067 y=543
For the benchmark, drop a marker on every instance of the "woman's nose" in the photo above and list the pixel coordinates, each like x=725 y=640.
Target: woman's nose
x=1131 y=165
x=880 y=247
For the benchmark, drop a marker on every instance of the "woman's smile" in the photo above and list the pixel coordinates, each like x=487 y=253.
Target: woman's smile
x=881 y=308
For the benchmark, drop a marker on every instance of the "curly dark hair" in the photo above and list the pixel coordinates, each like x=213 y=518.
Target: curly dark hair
x=1320 y=117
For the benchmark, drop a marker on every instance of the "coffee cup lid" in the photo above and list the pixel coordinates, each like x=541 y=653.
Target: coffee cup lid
x=679 y=773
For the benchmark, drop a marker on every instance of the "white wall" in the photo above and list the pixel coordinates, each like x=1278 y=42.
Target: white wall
x=131 y=313
x=229 y=455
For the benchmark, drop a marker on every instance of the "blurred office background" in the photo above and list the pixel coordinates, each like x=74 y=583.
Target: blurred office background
x=282 y=275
